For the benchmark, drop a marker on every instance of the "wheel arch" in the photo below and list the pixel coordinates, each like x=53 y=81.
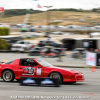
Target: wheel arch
x=56 y=72
x=7 y=69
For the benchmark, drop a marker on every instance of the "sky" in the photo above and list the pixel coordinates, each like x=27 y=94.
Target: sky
x=56 y=4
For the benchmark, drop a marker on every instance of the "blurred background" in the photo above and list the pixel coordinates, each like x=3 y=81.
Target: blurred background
x=68 y=32
x=60 y=32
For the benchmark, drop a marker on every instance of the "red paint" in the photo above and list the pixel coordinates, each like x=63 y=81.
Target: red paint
x=68 y=75
x=92 y=69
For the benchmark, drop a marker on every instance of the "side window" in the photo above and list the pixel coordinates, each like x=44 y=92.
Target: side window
x=36 y=48
x=21 y=63
x=27 y=63
x=21 y=43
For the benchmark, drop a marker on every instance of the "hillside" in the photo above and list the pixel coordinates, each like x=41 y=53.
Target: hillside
x=67 y=17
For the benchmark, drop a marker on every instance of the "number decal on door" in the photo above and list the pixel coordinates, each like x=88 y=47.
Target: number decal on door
x=28 y=71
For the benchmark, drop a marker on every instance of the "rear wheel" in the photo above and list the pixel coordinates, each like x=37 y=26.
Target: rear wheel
x=8 y=76
x=56 y=75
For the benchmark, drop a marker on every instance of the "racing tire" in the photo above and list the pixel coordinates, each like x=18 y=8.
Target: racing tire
x=71 y=82
x=8 y=76
x=56 y=75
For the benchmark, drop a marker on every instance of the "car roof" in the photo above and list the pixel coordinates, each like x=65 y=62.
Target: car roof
x=26 y=58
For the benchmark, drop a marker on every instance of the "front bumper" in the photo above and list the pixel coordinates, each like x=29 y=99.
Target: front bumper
x=79 y=77
x=76 y=78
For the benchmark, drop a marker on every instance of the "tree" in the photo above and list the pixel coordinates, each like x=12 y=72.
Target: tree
x=4 y=45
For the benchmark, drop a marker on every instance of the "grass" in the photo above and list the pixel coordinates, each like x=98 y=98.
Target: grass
x=41 y=18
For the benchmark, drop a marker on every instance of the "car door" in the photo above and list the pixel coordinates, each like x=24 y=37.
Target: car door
x=26 y=71
x=30 y=71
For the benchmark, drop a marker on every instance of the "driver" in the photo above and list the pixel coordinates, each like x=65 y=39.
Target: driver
x=30 y=62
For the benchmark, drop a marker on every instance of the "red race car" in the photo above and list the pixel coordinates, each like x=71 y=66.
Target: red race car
x=31 y=67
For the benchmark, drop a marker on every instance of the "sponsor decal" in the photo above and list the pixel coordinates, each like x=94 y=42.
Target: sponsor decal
x=47 y=81
x=28 y=71
x=91 y=59
x=29 y=80
x=38 y=71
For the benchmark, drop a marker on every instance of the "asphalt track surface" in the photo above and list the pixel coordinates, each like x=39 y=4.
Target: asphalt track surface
x=88 y=89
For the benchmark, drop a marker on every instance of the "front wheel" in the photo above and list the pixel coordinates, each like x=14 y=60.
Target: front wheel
x=8 y=76
x=56 y=75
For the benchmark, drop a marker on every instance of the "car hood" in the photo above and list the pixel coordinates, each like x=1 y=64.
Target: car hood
x=66 y=69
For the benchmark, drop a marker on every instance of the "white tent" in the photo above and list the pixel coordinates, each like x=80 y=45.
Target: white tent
x=95 y=33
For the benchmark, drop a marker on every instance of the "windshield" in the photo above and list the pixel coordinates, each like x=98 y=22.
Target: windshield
x=43 y=63
x=19 y=42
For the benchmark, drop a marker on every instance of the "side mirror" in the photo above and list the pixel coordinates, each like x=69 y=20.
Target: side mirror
x=39 y=66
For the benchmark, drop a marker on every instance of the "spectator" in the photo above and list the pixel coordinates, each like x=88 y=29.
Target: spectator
x=91 y=46
x=86 y=44
x=90 y=35
x=59 y=55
